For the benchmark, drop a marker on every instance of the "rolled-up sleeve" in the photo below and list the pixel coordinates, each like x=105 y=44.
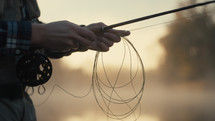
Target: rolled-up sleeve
x=15 y=37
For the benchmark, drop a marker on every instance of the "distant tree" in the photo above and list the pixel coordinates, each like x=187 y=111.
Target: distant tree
x=190 y=46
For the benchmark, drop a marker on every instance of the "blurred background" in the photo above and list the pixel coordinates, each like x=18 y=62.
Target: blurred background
x=177 y=50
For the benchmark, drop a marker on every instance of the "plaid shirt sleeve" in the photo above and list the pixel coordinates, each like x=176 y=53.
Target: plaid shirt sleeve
x=15 y=37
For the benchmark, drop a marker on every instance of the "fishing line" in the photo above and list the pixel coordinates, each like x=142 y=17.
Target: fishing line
x=113 y=87
x=107 y=98
x=97 y=85
x=64 y=90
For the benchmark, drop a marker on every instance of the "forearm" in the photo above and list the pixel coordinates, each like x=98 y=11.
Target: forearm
x=16 y=38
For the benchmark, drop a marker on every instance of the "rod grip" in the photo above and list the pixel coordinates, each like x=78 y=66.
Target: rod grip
x=96 y=29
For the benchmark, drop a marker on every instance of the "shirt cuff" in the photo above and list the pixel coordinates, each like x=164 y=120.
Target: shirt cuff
x=15 y=37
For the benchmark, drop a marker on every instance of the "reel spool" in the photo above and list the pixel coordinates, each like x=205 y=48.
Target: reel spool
x=34 y=69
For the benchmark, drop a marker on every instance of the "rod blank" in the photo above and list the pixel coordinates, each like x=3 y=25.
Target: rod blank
x=157 y=15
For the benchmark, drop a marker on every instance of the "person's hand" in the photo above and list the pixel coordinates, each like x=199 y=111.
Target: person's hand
x=105 y=39
x=65 y=37
x=61 y=36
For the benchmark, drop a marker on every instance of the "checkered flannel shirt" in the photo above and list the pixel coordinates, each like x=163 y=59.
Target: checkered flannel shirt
x=15 y=37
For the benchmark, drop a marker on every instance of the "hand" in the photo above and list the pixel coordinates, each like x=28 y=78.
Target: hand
x=105 y=39
x=61 y=36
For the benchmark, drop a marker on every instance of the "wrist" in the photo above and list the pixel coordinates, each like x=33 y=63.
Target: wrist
x=37 y=35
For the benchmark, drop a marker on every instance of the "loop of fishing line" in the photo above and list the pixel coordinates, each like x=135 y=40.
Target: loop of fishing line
x=104 y=99
x=106 y=93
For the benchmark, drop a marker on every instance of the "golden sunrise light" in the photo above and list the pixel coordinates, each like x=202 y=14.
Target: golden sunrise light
x=86 y=12
x=176 y=82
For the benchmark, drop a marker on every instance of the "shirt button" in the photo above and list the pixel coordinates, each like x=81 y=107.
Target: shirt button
x=18 y=52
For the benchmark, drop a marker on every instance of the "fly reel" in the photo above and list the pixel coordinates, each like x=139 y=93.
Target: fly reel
x=34 y=69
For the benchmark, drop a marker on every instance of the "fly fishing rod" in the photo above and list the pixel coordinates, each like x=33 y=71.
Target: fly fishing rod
x=156 y=15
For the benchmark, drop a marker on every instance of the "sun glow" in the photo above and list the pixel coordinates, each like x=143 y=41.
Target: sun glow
x=146 y=41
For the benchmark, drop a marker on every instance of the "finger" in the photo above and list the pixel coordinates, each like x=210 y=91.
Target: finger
x=112 y=37
x=84 y=32
x=65 y=45
x=80 y=39
x=96 y=27
x=120 y=33
x=102 y=47
x=106 y=41
x=68 y=44
x=99 y=46
x=74 y=45
x=67 y=53
x=87 y=34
